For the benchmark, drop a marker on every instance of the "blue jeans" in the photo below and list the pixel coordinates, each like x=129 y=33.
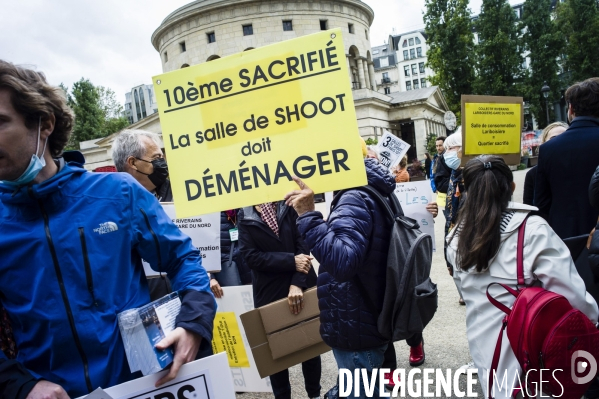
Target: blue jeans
x=367 y=359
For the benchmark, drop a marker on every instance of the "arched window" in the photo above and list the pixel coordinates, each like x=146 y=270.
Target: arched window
x=212 y=58
x=137 y=106
x=184 y=66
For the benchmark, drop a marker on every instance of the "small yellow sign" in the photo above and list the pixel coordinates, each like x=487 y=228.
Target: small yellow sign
x=227 y=338
x=492 y=128
x=441 y=199
x=238 y=128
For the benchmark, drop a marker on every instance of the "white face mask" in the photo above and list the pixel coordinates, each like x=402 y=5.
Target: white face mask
x=36 y=164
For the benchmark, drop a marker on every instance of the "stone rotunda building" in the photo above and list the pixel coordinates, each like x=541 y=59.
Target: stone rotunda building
x=204 y=30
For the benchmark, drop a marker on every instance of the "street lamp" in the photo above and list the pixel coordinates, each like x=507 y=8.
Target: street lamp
x=545 y=90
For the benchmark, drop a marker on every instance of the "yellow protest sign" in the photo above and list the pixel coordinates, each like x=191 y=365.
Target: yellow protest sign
x=236 y=129
x=227 y=338
x=491 y=125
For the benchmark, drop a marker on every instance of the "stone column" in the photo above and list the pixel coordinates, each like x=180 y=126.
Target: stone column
x=351 y=78
x=419 y=136
x=366 y=74
x=361 y=73
x=372 y=75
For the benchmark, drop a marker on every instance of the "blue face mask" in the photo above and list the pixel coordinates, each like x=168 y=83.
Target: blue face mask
x=35 y=165
x=452 y=160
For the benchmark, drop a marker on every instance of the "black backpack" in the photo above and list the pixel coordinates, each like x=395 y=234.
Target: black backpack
x=410 y=299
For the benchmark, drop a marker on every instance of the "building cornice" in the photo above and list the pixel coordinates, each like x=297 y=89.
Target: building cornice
x=205 y=6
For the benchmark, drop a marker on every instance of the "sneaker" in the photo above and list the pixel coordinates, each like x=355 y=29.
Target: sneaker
x=469 y=366
x=417 y=355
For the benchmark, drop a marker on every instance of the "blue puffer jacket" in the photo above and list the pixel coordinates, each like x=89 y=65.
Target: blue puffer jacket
x=352 y=244
x=70 y=251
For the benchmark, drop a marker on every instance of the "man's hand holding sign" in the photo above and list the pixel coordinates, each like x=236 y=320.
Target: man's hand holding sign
x=237 y=129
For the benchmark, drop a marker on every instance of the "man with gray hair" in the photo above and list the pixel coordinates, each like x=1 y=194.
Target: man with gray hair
x=138 y=153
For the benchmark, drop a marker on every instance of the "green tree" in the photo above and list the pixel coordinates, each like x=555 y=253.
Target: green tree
x=89 y=117
x=451 y=49
x=114 y=120
x=97 y=113
x=578 y=21
x=544 y=43
x=431 y=144
x=499 y=60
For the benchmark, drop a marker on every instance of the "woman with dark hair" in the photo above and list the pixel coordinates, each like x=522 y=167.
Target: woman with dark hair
x=428 y=161
x=482 y=249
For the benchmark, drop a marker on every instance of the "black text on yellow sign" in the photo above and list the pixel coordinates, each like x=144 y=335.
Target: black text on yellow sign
x=237 y=129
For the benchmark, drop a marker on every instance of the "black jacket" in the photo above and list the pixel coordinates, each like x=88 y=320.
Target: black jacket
x=566 y=165
x=594 y=189
x=272 y=258
x=164 y=192
x=529 y=186
x=442 y=175
x=227 y=224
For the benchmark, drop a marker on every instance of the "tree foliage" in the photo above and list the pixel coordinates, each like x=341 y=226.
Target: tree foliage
x=543 y=42
x=499 y=59
x=578 y=22
x=97 y=113
x=451 y=49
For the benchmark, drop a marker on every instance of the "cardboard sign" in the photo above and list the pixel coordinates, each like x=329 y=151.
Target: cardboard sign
x=204 y=232
x=414 y=197
x=238 y=128
x=492 y=125
x=280 y=339
x=207 y=378
x=391 y=149
x=229 y=336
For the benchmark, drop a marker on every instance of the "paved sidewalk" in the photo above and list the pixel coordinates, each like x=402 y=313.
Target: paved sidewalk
x=446 y=345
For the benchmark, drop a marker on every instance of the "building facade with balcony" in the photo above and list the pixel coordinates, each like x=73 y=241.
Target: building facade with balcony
x=400 y=65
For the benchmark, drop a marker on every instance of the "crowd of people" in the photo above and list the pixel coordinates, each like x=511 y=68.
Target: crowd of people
x=72 y=244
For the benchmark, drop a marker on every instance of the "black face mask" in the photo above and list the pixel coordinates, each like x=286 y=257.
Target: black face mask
x=160 y=173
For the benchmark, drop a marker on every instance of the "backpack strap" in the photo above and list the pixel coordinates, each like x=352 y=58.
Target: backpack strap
x=389 y=204
x=496 y=355
x=394 y=209
x=520 y=252
x=505 y=309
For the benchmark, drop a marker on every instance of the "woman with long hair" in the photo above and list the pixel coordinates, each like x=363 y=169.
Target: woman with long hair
x=482 y=248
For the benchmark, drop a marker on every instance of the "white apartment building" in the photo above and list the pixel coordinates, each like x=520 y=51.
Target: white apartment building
x=140 y=102
x=400 y=65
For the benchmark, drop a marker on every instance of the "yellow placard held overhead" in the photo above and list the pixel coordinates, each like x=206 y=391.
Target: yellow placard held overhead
x=236 y=129
x=492 y=128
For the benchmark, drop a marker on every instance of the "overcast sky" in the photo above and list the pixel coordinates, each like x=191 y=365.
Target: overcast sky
x=108 y=41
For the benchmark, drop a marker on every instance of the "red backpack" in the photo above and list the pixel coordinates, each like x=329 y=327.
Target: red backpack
x=544 y=331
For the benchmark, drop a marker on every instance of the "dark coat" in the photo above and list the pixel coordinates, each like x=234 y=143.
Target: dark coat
x=352 y=244
x=272 y=258
x=529 y=186
x=442 y=175
x=227 y=224
x=594 y=190
x=566 y=165
x=165 y=192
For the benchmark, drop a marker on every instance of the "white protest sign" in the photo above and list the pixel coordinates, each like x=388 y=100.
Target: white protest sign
x=98 y=394
x=391 y=149
x=207 y=378
x=414 y=197
x=239 y=300
x=204 y=232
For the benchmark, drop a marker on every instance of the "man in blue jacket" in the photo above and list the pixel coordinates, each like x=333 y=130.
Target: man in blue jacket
x=567 y=163
x=71 y=244
x=351 y=246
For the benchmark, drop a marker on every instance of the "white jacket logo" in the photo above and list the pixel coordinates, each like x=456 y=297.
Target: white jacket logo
x=107 y=227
